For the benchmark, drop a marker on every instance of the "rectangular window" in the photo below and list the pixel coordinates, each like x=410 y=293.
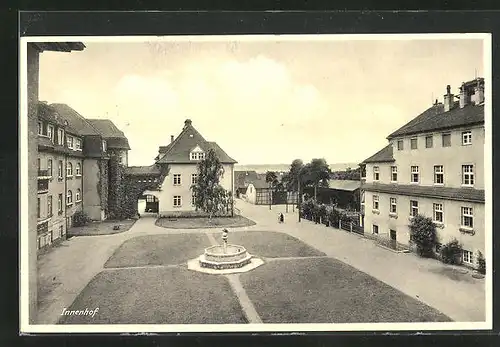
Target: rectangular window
x=376 y=173
x=39 y=164
x=438 y=174
x=466 y=138
x=429 y=141
x=60 y=169
x=49 y=205
x=194 y=178
x=193 y=199
x=413 y=208
x=400 y=145
x=78 y=145
x=50 y=132
x=49 y=167
x=394 y=173
x=60 y=203
x=40 y=127
x=60 y=137
x=38 y=208
x=467 y=217
x=438 y=213
x=177 y=179
x=467 y=256
x=446 y=140
x=69 y=140
x=177 y=200
x=104 y=146
x=468 y=175
x=375 y=229
x=375 y=202
x=414 y=174
x=394 y=206
x=413 y=143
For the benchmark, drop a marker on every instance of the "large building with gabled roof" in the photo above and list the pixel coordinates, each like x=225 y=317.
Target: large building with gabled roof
x=434 y=166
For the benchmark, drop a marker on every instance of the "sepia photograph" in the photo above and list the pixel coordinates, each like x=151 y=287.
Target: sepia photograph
x=256 y=183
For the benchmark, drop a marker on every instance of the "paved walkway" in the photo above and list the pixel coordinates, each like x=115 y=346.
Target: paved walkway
x=65 y=271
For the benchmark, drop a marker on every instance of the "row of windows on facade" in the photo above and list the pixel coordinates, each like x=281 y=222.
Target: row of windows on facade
x=197 y=155
x=429 y=141
x=466 y=217
x=467 y=174
x=69 y=202
x=177 y=200
x=178 y=181
x=69 y=168
x=72 y=142
x=48 y=237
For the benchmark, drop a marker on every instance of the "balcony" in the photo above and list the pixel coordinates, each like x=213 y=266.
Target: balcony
x=44 y=175
x=43 y=186
x=43 y=227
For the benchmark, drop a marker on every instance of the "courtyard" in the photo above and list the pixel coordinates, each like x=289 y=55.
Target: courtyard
x=311 y=274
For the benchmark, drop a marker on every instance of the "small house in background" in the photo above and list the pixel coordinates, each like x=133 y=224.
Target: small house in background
x=344 y=193
x=253 y=188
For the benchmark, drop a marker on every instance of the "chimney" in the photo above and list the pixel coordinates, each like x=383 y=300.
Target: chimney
x=171 y=138
x=187 y=122
x=478 y=97
x=464 y=96
x=448 y=99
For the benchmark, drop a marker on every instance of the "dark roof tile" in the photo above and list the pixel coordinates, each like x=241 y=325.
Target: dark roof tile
x=76 y=121
x=384 y=155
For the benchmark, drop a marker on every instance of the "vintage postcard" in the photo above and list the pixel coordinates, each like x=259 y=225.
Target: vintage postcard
x=256 y=183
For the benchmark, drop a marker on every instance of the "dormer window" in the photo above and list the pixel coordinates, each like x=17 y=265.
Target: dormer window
x=69 y=140
x=78 y=144
x=197 y=154
x=60 y=137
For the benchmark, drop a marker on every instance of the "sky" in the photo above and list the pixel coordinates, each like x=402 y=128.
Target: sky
x=263 y=101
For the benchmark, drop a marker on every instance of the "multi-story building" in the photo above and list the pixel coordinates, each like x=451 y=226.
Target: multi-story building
x=72 y=170
x=182 y=156
x=434 y=166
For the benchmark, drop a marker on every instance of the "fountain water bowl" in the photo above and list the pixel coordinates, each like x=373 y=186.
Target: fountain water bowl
x=218 y=258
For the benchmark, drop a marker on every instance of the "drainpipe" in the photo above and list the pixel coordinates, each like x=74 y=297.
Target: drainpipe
x=65 y=193
x=232 y=190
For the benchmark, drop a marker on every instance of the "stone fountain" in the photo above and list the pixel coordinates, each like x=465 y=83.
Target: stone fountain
x=225 y=259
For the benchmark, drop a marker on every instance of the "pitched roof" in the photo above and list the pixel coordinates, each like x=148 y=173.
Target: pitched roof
x=115 y=138
x=142 y=170
x=459 y=194
x=384 y=155
x=76 y=121
x=243 y=178
x=347 y=185
x=49 y=114
x=179 y=150
x=260 y=182
x=434 y=118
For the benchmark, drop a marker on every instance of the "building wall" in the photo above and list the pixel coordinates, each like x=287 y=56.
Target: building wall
x=250 y=194
x=73 y=183
x=169 y=190
x=91 y=188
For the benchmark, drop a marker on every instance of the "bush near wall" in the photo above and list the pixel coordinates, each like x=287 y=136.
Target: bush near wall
x=81 y=218
x=451 y=253
x=481 y=263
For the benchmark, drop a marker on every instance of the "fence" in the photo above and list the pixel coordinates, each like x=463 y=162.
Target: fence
x=385 y=241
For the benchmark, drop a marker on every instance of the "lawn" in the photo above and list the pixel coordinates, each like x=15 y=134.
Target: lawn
x=328 y=291
x=163 y=295
x=204 y=222
x=101 y=228
x=271 y=244
x=158 y=250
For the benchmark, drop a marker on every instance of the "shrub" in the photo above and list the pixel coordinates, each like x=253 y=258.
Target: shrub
x=322 y=213
x=481 y=263
x=451 y=253
x=423 y=234
x=80 y=218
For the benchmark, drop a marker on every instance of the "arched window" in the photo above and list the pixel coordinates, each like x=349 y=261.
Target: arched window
x=78 y=170
x=78 y=193
x=69 y=169
x=69 y=198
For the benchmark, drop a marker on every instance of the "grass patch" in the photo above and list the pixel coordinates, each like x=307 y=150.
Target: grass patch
x=101 y=228
x=157 y=296
x=204 y=222
x=158 y=250
x=271 y=244
x=329 y=291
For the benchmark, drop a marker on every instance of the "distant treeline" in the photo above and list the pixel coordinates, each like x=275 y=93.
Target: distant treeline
x=349 y=174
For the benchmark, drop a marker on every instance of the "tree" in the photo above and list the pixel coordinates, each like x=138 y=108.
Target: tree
x=317 y=174
x=210 y=196
x=271 y=179
x=423 y=233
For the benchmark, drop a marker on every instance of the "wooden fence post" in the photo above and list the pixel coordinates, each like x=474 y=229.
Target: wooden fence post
x=340 y=223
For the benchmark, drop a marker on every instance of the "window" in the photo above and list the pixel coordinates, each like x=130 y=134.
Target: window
x=78 y=195
x=413 y=208
x=60 y=203
x=60 y=169
x=400 y=145
x=394 y=173
x=467 y=256
x=61 y=230
x=375 y=202
x=393 y=208
x=177 y=179
x=69 y=198
x=78 y=170
x=39 y=164
x=69 y=169
x=50 y=132
x=78 y=144
x=38 y=208
x=446 y=140
x=49 y=167
x=466 y=138
x=429 y=141
x=193 y=199
x=375 y=229
x=467 y=217
x=376 y=173
x=104 y=146
x=197 y=155
x=40 y=127
x=60 y=137
x=69 y=140
x=438 y=174
x=49 y=205
x=468 y=175
x=177 y=201
x=194 y=178
x=414 y=174
x=438 y=213
x=413 y=143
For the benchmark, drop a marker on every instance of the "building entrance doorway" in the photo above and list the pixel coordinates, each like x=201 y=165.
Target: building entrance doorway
x=393 y=238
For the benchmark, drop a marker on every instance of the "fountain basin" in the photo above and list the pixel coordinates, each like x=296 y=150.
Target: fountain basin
x=235 y=256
